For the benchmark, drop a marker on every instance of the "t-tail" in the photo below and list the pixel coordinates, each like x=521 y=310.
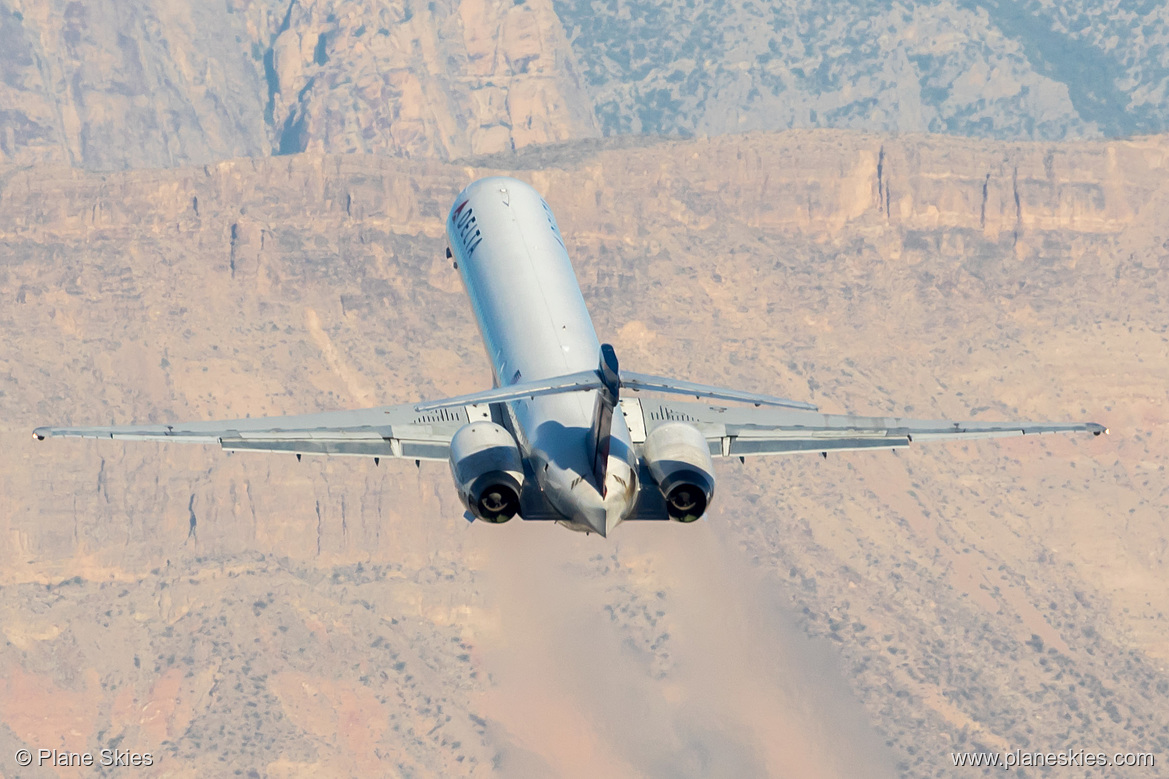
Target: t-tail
x=607 y=397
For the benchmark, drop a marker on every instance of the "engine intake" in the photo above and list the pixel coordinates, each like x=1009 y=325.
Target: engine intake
x=488 y=472
x=679 y=459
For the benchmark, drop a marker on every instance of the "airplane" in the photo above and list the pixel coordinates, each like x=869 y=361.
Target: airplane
x=556 y=438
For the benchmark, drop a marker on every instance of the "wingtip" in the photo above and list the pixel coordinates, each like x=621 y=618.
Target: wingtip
x=1097 y=429
x=40 y=433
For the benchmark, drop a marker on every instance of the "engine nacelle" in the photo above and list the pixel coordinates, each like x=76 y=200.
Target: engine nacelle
x=488 y=471
x=678 y=456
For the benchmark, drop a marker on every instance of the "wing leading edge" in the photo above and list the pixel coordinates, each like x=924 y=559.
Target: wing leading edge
x=747 y=432
x=386 y=431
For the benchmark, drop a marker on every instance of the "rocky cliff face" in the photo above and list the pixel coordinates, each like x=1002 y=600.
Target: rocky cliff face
x=999 y=595
x=114 y=84
x=421 y=79
x=150 y=83
x=145 y=84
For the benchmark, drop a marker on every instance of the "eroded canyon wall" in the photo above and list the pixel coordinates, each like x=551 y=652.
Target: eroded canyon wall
x=997 y=594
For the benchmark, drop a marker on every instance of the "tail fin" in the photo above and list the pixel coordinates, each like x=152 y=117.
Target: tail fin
x=607 y=398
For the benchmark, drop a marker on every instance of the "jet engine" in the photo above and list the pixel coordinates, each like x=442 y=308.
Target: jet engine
x=679 y=459
x=488 y=471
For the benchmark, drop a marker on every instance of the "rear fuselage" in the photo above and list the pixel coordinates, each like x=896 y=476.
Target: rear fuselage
x=534 y=323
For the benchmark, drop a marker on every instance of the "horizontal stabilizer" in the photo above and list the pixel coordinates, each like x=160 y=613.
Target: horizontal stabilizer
x=643 y=381
x=572 y=382
x=591 y=380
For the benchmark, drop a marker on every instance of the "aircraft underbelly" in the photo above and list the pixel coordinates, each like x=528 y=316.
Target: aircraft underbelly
x=535 y=325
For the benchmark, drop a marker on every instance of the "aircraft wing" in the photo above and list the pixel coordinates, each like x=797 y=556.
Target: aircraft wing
x=746 y=432
x=387 y=431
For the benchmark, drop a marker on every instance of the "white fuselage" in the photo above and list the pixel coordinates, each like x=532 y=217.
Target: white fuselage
x=535 y=325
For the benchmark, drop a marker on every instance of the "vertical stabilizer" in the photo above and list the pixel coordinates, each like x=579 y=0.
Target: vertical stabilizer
x=607 y=398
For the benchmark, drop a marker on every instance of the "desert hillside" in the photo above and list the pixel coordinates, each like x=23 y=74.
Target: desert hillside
x=113 y=84
x=863 y=614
